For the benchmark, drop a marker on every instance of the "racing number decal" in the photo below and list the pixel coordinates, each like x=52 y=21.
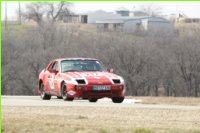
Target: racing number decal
x=51 y=81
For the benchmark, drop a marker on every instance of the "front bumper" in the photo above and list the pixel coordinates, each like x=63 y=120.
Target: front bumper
x=85 y=91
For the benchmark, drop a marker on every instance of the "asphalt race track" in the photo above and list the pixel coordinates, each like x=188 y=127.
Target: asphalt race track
x=128 y=103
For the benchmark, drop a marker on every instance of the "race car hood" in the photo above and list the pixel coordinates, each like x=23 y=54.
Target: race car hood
x=92 y=78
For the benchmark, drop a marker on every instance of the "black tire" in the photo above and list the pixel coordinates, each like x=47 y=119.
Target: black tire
x=118 y=99
x=93 y=100
x=64 y=94
x=59 y=97
x=43 y=94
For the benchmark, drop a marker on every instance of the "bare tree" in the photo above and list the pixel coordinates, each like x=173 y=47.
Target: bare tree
x=35 y=11
x=151 y=9
x=57 y=11
x=6 y=17
x=188 y=64
x=150 y=64
x=19 y=13
x=47 y=11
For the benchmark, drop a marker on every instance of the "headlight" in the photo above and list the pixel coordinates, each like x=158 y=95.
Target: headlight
x=122 y=81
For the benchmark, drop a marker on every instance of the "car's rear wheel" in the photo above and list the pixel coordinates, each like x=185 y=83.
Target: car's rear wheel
x=118 y=99
x=43 y=94
x=93 y=100
x=59 y=97
x=64 y=94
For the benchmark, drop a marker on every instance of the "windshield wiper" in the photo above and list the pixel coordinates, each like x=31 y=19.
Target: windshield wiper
x=80 y=70
x=72 y=70
x=92 y=70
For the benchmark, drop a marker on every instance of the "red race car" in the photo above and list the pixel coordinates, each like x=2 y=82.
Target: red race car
x=85 y=78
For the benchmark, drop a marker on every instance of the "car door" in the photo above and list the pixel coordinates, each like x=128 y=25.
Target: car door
x=47 y=77
x=52 y=78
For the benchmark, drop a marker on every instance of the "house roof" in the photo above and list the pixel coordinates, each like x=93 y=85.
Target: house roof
x=122 y=9
x=110 y=21
x=125 y=19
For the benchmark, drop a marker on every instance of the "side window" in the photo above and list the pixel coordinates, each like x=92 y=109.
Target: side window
x=49 y=67
x=55 y=66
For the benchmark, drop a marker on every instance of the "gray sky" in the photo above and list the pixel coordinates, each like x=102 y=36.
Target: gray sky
x=191 y=9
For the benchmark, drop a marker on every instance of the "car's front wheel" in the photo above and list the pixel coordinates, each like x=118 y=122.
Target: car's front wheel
x=64 y=94
x=118 y=99
x=43 y=94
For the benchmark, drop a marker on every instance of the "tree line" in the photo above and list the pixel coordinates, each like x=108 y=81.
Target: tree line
x=153 y=64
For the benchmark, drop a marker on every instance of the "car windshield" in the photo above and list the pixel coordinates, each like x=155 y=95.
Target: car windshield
x=81 y=65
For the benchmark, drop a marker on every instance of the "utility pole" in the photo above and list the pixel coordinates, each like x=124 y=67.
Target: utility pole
x=20 y=13
x=5 y=15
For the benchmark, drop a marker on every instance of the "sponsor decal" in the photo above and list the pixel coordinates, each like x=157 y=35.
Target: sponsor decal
x=51 y=81
x=71 y=92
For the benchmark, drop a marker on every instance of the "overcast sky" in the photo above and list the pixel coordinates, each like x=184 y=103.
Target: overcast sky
x=191 y=9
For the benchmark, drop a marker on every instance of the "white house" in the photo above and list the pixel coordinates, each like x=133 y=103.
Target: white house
x=134 y=24
x=92 y=17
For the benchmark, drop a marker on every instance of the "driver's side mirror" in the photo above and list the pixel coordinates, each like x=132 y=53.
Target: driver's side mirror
x=110 y=70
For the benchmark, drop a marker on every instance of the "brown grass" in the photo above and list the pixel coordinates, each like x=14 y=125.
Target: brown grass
x=98 y=120
x=169 y=100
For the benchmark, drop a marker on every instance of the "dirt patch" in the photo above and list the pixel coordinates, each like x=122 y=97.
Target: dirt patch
x=190 y=101
x=98 y=120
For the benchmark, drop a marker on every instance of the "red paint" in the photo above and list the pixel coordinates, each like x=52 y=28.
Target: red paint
x=52 y=81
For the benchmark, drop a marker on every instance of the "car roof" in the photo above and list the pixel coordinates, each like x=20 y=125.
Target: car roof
x=61 y=59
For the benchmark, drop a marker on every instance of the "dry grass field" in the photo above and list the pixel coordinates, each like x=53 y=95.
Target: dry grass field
x=190 y=101
x=98 y=120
